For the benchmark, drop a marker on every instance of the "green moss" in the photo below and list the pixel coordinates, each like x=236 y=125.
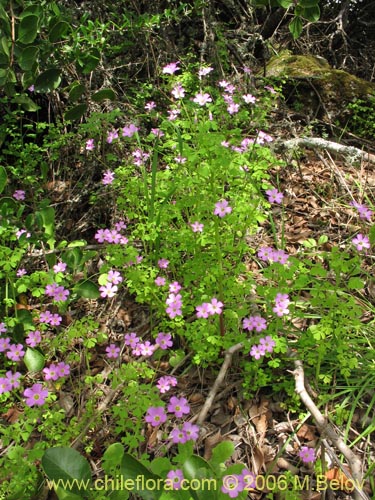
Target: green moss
x=322 y=91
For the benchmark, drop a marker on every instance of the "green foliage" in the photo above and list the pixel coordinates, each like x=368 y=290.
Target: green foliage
x=308 y=10
x=167 y=180
x=362 y=120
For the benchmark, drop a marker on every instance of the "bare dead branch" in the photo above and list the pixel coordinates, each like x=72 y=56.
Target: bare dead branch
x=353 y=154
x=327 y=431
x=219 y=380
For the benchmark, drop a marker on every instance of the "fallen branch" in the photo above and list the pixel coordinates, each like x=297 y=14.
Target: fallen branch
x=353 y=154
x=219 y=380
x=327 y=430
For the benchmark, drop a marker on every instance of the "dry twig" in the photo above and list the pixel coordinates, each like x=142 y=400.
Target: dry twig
x=327 y=430
x=219 y=379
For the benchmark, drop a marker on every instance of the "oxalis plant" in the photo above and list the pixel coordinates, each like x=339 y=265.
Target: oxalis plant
x=192 y=183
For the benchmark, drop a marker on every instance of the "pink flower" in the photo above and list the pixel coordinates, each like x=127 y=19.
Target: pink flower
x=174 y=479
x=108 y=177
x=21 y=272
x=131 y=339
x=13 y=379
x=157 y=132
x=33 y=338
x=171 y=68
x=307 y=454
x=108 y=290
x=90 y=145
x=191 y=431
x=178 y=406
x=55 y=320
x=165 y=383
x=4 y=344
x=215 y=307
x=178 y=436
x=249 y=99
x=15 y=352
x=155 y=416
x=61 y=294
x=62 y=369
x=112 y=351
x=257 y=351
x=274 y=196
x=178 y=91
x=174 y=287
x=35 y=395
x=147 y=349
x=281 y=304
x=19 y=195
x=163 y=263
x=268 y=343
x=361 y=242
x=129 y=131
x=164 y=340
x=149 y=106
x=5 y=385
x=50 y=372
x=197 y=227
x=114 y=277
x=270 y=89
x=160 y=281
x=60 y=267
x=202 y=310
x=205 y=71
x=174 y=310
x=233 y=485
x=111 y=136
x=202 y=99
x=222 y=208
x=233 y=108
x=180 y=159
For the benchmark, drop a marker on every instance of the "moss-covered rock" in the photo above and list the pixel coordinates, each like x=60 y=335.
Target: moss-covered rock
x=314 y=88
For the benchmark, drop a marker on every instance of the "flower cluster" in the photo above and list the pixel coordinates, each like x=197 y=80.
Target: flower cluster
x=363 y=210
x=174 y=302
x=256 y=323
x=58 y=293
x=140 y=157
x=56 y=371
x=165 y=383
x=156 y=414
x=266 y=344
x=162 y=341
x=188 y=432
x=209 y=308
x=49 y=318
x=10 y=381
x=281 y=304
x=269 y=254
x=110 y=236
